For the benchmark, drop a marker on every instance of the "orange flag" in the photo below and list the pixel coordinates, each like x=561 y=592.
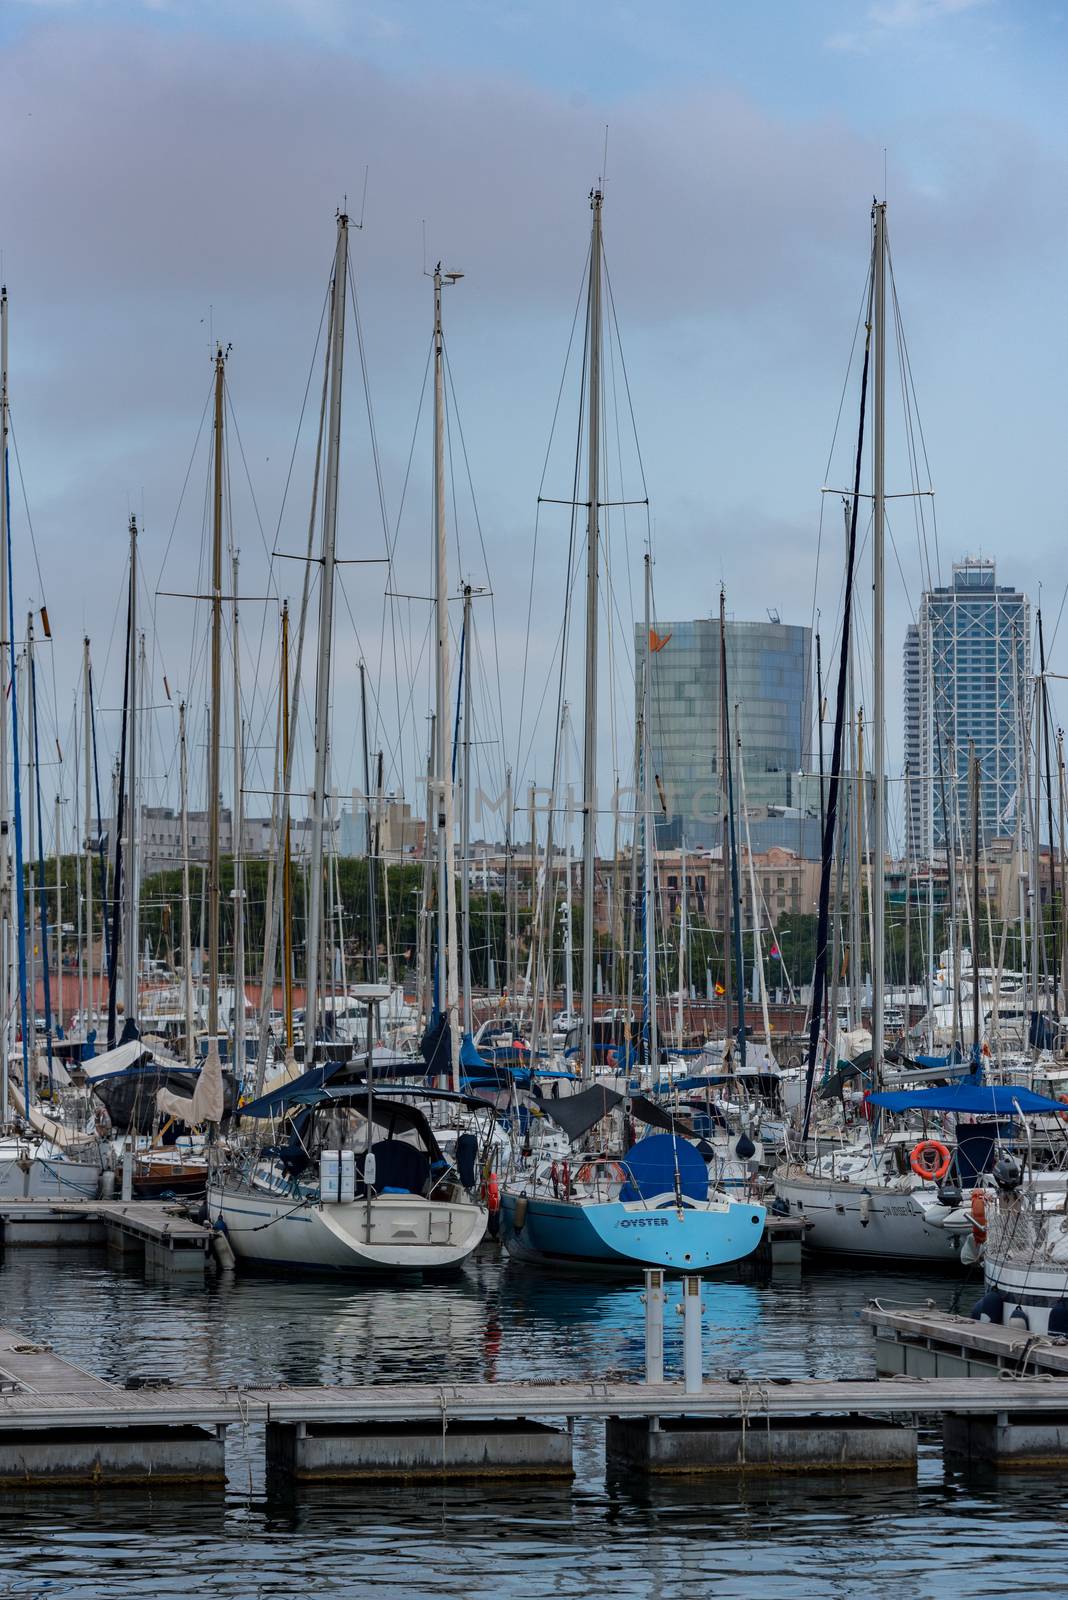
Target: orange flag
x=656 y=643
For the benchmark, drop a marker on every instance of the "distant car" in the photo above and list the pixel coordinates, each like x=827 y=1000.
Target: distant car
x=564 y=1020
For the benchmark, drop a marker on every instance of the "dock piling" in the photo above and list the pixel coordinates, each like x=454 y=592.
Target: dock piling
x=654 y=1324
x=692 y=1355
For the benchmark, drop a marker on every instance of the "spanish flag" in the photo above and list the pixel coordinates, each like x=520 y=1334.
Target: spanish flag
x=719 y=989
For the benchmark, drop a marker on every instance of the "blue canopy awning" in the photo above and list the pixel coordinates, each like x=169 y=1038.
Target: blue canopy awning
x=970 y=1100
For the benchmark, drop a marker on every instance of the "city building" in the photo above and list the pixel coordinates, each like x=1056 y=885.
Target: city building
x=770 y=695
x=967 y=659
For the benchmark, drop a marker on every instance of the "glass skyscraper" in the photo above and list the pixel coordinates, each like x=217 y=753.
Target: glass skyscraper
x=769 y=693
x=967 y=660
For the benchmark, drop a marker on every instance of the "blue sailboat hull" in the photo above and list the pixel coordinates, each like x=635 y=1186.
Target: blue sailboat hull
x=616 y=1235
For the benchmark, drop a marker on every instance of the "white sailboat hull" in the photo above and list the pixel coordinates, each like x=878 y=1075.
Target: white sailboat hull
x=890 y=1225
x=408 y=1234
x=32 y=1169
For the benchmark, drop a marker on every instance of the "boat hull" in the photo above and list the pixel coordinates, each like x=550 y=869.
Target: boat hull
x=889 y=1226
x=409 y=1235
x=618 y=1236
x=29 y=1173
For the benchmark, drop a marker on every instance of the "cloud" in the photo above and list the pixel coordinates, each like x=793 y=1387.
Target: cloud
x=889 y=17
x=158 y=185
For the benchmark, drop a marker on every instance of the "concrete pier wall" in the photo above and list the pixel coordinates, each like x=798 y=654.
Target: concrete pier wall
x=400 y=1452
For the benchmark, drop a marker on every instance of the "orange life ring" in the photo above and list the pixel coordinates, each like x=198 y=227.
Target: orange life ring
x=493 y=1194
x=978 y=1210
x=930 y=1160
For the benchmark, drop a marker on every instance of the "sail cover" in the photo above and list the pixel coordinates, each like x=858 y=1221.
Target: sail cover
x=971 y=1100
x=207 y=1100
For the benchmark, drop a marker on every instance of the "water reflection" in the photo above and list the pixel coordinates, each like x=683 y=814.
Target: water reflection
x=942 y=1533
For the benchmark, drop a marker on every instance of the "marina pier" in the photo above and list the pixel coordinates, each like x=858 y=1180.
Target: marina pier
x=59 y=1424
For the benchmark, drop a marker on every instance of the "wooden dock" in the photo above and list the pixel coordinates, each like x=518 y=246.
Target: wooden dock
x=60 y=1424
x=169 y=1239
x=926 y=1342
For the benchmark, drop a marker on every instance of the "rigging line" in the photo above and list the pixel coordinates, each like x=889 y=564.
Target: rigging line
x=272 y=589
x=834 y=435
x=388 y=600
x=36 y=560
x=919 y=419
x=626 y=377
x=910 y=406
x=181 y=495
x=481 y=538
x=565 y=624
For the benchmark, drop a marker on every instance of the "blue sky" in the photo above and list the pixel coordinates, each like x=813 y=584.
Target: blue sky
x=172 y=167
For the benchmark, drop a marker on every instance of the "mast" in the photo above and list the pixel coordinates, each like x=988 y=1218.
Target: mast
x=31 y=850
x=237 y=830
x=589 y=751
x=724 y=794
x=509 y=882
x=59 y=914
x=187 y=909
x=973 y=774
x=878 y=825
x=446 y=863
x=569 y=936
x=287 y=860
x=130 y=885
x=7 y=943
x=88 y=712
x=648 y=897
x=682 y=947
x=326 y=632
x=214 y=888
x=465 y=817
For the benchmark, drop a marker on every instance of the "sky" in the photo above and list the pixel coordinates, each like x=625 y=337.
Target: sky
x=172 y=171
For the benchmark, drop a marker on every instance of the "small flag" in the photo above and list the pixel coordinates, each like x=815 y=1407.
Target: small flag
x=776 y=951
x=656 y=643
x=720 y=989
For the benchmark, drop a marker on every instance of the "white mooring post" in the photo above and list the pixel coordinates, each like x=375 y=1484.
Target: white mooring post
x=654 y=1324
x=127 y=1174
x=691 y=1309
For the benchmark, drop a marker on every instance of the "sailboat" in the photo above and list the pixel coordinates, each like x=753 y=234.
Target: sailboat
x=354 y=1181
x=617 y=1202
x=868 y=1198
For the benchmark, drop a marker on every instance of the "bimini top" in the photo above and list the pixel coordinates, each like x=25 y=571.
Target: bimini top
x=971 y=1100
x=577 y=1113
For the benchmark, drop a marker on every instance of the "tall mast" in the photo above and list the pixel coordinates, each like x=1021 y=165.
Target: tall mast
x=648 y=899
x=87 y=687
x=214 y=889
x=287 y=859
x=465 y=819
x=130 y=883
x=326 y=633
x=59 y=913
x=447 y=977
x=187 y=909
x=878 y=824
x=589 y=748
x=569 y=937
x=725 y=810
x=7 y=943
x=236 y=844
x=509 y=882
x=30 y=724
x=973 y=777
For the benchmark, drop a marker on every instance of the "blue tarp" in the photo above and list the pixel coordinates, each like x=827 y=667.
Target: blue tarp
x=311 y=1082
x=970 y=1100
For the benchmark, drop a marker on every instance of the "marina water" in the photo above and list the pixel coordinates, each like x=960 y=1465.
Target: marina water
x=786 y=1536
